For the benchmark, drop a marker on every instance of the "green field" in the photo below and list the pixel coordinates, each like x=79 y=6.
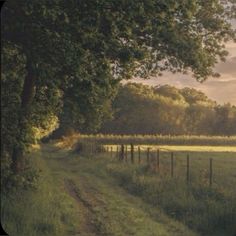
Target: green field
x=177 y=148
x=96 y=194
x=190 y=140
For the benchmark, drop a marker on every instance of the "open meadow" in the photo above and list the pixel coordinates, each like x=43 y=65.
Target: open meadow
x=196 y=188
x=158 y=191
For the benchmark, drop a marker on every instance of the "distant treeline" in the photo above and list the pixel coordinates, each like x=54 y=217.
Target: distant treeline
x=141 y=109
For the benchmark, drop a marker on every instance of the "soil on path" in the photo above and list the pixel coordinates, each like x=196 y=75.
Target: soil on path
x=87 y=227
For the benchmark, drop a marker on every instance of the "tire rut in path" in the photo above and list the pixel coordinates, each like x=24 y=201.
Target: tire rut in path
x=87 y=226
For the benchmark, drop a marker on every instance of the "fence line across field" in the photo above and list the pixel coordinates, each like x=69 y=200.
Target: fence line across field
x=153 y=157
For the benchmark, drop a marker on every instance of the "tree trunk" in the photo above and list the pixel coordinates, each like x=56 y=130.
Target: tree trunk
x=27 y=96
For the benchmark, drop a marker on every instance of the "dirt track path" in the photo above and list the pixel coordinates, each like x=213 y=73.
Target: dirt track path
x=87 y=227
x=104 y=208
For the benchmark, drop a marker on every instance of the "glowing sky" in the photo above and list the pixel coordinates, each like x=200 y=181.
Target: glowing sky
x=222 y=89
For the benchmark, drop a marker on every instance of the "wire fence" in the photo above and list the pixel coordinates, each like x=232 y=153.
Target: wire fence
x=170 y=163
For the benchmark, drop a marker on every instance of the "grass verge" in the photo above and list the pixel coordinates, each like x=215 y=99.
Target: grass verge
x=48 y=210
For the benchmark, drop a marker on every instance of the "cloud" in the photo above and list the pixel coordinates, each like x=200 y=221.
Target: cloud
x=222 y=89
x=227 y=68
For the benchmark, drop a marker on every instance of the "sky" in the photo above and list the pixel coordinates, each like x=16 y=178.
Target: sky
x=222 y=89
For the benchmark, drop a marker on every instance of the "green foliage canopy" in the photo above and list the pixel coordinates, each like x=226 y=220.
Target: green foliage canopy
x=52 y=50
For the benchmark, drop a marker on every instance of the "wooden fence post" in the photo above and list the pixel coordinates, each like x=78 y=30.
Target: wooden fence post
x=172 y=164
x=111 y=151
x=188 y=173
x=91 y=149
x=117 y=151
x=148 y=155
x=126 y=153
x=122 y=152
x=158 y=160
x=210 y=174
x=139 y=155
x=132 y=153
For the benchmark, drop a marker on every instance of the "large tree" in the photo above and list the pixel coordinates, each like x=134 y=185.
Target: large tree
x=57 y=43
